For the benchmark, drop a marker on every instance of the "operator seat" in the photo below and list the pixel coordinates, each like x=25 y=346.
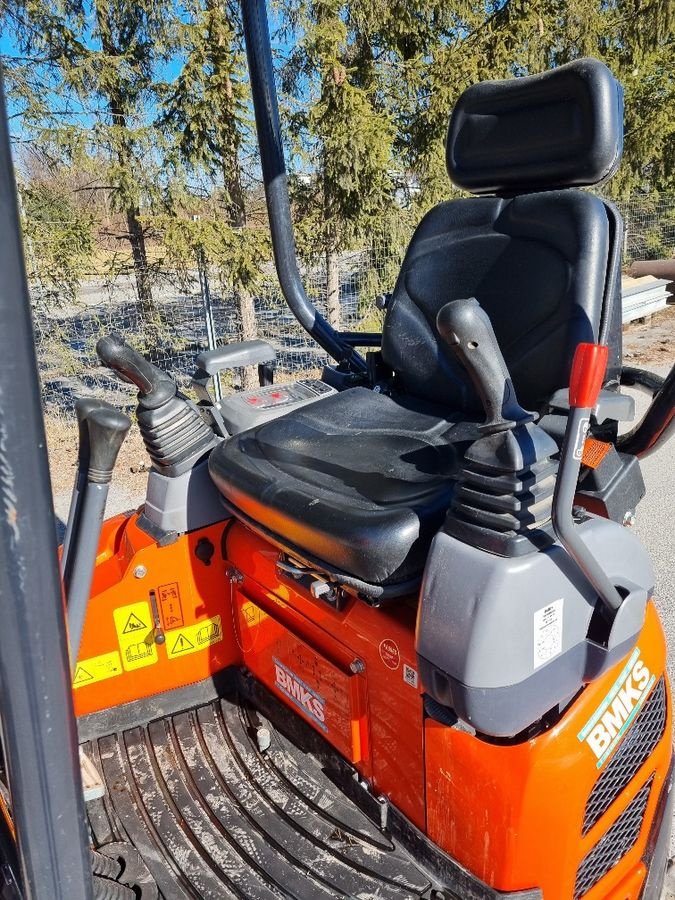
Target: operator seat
x=358 y=483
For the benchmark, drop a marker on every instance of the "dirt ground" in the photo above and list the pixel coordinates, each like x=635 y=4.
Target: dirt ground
x=651 y=342
x=130 y=474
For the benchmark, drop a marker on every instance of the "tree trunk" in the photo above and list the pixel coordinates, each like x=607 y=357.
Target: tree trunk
x=140 y=257
x=236 y=213
x=333 y=288
x=117 y=108
x=249 y=331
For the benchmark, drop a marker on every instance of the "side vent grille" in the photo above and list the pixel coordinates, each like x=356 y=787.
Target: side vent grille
x=644 y=734
x=614 y=845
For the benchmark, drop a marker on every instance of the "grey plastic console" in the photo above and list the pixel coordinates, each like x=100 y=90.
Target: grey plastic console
x=501 y=641
x=250 y=408
x=176 y=505
x=610 y=405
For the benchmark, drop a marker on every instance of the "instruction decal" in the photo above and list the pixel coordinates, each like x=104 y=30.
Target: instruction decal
x=548 y=632
x=97 y=668
x=135 y=635
x=192 y=638
x=170 y=606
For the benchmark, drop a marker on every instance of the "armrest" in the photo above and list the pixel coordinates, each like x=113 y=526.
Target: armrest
x=233 y=356
x=610 y=405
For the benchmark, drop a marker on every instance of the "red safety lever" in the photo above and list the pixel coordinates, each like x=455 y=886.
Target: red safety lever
x=588 y=372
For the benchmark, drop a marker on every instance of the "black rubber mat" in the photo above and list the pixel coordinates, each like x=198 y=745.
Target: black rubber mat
x=213 y=815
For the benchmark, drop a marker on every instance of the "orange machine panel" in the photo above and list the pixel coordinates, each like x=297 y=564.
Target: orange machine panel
x=378 y=642
x=528 y=800
x=331 y=699
x=158 y=617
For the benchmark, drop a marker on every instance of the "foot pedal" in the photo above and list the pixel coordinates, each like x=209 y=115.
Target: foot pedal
x=92 y=783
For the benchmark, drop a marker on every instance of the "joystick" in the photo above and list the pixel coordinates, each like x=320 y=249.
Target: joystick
x=504 y=493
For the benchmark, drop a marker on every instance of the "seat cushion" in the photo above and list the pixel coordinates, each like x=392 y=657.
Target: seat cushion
x=359 y=480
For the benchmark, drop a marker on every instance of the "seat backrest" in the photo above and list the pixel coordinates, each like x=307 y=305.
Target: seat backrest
x=542 y=258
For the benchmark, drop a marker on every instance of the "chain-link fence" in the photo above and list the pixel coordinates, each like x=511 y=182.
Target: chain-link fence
x=188 y=312
x=649 y=227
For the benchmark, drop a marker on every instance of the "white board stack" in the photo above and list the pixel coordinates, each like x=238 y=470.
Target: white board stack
x=642 y=297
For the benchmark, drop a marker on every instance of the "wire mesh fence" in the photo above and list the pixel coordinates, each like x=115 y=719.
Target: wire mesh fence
x=189 y=312
x=649 y=227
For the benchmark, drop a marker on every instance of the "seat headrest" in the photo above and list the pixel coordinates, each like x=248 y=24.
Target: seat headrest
x=563 y=128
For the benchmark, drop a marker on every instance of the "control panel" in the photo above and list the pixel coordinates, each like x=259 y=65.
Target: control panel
x=250 y=408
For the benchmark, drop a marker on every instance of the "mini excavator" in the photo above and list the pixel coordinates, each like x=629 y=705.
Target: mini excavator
x=384 y=633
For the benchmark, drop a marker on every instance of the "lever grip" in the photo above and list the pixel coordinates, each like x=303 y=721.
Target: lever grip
x=84 y=406
x=154 y=386
x=467 y=330
x=107 y=427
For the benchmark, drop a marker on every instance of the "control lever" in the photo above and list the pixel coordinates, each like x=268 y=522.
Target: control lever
x=83 y=407
x=588 y=372
x=102 y=432
x=154 y=386
x=467 y=330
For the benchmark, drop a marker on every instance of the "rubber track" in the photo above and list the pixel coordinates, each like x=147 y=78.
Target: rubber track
x=213 y=817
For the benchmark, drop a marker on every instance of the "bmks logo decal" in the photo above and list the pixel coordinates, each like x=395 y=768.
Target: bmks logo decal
x=311 y=703
x=612 y=719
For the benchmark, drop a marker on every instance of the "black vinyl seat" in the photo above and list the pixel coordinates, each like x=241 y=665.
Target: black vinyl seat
x=360 y=481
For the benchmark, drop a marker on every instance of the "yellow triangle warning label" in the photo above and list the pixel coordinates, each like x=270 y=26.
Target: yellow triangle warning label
x=133 y=624
x=182 y=645
x=82 y=676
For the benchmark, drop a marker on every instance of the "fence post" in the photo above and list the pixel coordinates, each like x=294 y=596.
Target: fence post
x=208 y=315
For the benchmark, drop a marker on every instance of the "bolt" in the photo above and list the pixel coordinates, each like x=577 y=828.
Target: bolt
x=357 y=666
x=140 y=572
x=629 y=518
x=235 y=575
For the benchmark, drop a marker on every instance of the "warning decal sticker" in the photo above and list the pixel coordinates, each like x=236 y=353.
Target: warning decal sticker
x=97 y=668
x=134 y=624
x=170 y=605
x=136 y=635
x=192 y=638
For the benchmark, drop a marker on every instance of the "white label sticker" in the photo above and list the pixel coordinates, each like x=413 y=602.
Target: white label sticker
x=409 y=675
x=580 y=440
x=548 y=631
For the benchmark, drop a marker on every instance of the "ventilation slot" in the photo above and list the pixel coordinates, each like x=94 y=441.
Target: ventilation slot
x=645 y=733
x=620 y=838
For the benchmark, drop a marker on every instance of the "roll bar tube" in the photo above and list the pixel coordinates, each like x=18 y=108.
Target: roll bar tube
x=39 y=737
x=266 y=109
x=658 y=423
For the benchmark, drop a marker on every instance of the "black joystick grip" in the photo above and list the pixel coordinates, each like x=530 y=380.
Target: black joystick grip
x=107 y=429
x=467 y=330
x=154 y=386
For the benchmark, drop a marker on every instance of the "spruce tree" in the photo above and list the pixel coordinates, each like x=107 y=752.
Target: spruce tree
x=206 y=116
x=86 y=76
x=342 y=134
